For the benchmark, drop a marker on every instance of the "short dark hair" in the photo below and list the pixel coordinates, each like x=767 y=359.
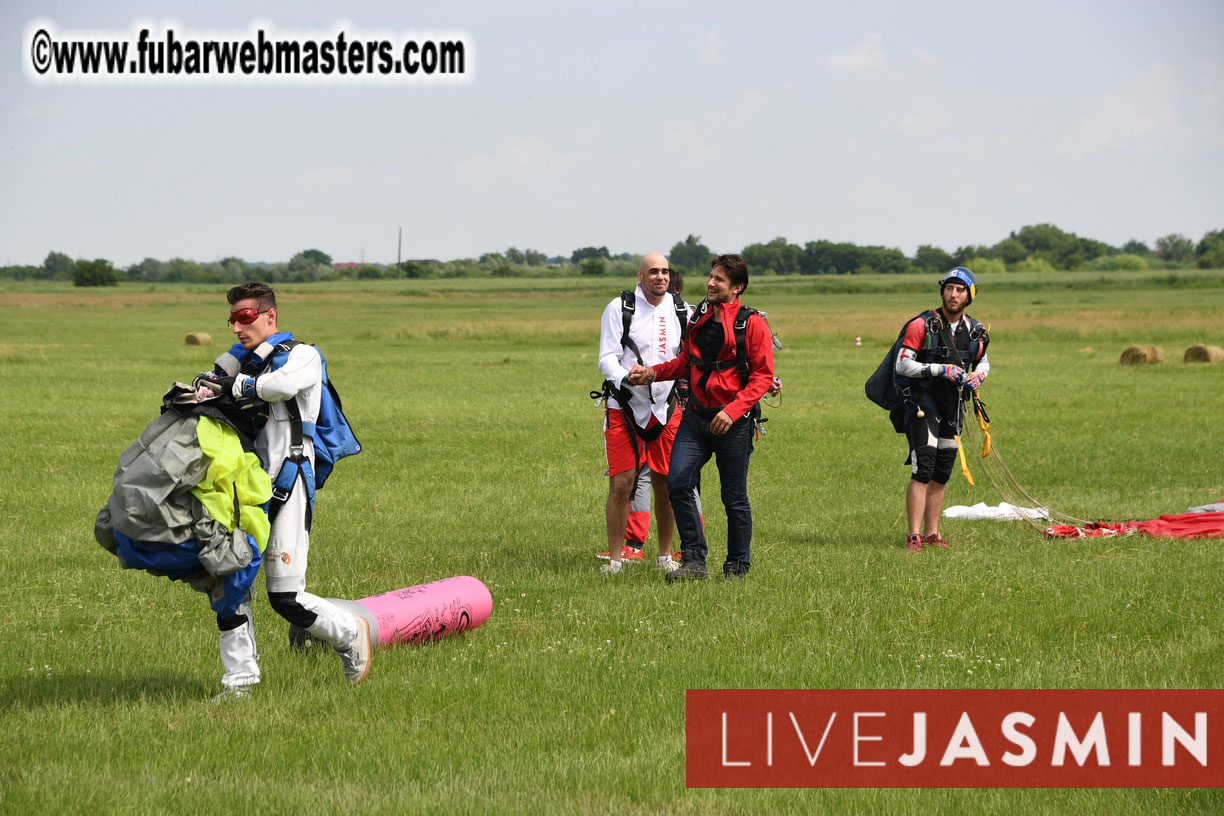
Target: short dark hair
x=675 y=283
x=736 y=268
x=253 y=290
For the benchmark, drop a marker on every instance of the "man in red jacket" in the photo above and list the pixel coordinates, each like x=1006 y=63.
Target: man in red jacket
x=726 y=384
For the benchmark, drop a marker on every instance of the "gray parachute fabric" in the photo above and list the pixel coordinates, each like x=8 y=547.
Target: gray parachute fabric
x=153 y=522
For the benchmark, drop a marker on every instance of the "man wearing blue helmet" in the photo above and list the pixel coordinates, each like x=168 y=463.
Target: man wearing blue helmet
x=942 y=355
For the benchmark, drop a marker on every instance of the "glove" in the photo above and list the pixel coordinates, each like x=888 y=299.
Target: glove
x=209 y=384
x=242 y=386
x=954 y=373
x=972 y=381
x=204 y=377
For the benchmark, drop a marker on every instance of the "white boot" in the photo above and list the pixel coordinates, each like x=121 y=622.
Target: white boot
x=355 y=660
x=240 y=658
x=332 y=625
x=348 y=634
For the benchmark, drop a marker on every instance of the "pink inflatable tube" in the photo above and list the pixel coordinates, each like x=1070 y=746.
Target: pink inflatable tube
x=419 y=614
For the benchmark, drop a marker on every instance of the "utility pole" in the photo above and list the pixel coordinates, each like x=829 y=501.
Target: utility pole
x=399 y=251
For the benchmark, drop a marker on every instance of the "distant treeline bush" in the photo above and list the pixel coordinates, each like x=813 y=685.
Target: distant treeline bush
x=1038 y=248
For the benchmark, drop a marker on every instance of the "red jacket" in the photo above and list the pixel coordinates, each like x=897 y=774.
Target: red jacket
x=723 y=387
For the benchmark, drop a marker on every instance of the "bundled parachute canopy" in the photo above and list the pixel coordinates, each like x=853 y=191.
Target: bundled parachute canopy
x=187 y=499
x=1178 y=525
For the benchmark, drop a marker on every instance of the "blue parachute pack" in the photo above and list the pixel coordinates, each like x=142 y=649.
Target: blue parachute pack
x=331 y=434
x=180 y=561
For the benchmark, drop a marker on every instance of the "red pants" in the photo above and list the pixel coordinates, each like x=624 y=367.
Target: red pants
x=619 y=446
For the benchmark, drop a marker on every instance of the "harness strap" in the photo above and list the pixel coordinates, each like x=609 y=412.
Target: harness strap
x=945 y=350
x=297 y=449
x=950 y=341
x=716 y=365
x=297 y=432
x=740 y=331
x=741 y=343
x=286 y=482
x=682 y=316
x=647 y=434
x=940 y=347
x=628 y=309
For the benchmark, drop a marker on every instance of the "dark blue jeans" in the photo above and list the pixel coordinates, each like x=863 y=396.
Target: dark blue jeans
x=692 y=448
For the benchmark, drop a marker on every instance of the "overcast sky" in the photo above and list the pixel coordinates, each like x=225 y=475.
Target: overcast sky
x=631 y=125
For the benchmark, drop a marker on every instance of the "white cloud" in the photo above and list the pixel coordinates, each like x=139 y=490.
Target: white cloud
x=925 y=119
x=867 y=55
x=1136 y=119
x=711 y=51
x=927 y=58
x=692 y=143
x=524 y=160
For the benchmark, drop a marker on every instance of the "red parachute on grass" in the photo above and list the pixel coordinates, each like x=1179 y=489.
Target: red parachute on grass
x=1177 y=525
x=1206 y=521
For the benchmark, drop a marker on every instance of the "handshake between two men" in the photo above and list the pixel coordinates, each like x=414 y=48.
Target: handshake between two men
x=640 y=375
x=720 y=424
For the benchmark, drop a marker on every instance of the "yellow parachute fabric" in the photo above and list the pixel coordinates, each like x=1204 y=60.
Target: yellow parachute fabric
x=230 y=468
x=985 y=426
x=960 y=454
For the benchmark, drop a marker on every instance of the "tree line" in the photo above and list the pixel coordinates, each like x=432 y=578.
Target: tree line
x=1035 y=248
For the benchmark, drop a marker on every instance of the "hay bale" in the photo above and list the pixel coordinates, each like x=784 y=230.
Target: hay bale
x=1142 y=355
x=1200 y=353
x=199 y=339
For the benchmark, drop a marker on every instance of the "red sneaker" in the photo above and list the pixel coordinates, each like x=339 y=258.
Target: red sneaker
x=914 y=543
x=935 y=540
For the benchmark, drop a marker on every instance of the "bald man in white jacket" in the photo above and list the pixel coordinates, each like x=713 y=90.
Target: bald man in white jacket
x=655 y=332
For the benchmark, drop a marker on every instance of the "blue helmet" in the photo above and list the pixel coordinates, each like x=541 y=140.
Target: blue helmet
x=962 y=275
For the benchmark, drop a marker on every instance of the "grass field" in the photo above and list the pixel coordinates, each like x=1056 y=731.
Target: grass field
x=483 y=456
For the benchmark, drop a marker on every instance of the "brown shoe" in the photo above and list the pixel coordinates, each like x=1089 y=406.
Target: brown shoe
x=914 y=543
x=935 y=540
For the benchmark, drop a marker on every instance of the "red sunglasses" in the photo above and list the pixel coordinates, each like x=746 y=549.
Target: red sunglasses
x=246 y=316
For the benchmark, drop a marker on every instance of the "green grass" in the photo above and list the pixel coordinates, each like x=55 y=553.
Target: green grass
x=483 y=457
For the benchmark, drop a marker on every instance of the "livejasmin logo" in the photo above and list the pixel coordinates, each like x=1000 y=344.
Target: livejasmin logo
x=955 y=738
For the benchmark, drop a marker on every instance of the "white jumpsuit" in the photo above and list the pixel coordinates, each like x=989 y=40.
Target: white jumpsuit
x=287 y=555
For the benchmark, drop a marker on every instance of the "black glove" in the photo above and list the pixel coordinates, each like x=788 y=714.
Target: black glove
x=202 y=377
x=213 y=382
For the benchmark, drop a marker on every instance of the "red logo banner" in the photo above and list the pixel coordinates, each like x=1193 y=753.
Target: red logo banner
x=954 y=738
